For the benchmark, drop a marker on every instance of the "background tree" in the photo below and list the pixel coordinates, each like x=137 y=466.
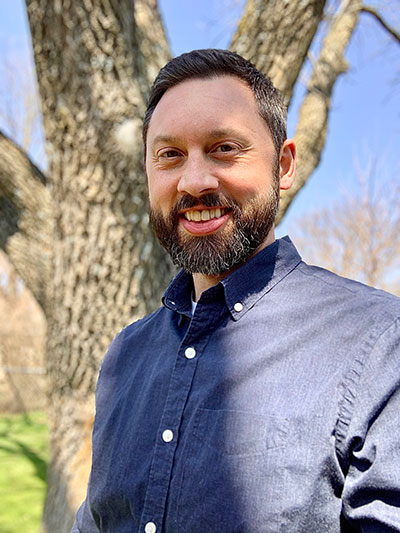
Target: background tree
x=358 y=237
x=21 y=113
x=79 y=236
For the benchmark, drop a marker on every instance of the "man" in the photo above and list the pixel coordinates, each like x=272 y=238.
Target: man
x=264 y=395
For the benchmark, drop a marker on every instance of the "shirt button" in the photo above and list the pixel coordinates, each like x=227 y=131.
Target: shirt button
x=190 y=352
x=238 y=307
x=150 y=527
x=167 y=436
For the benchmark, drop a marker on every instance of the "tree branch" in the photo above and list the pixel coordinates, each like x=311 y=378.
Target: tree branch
x=393 y=32
x=276 y=36
x=311 y=128
x=25 y=210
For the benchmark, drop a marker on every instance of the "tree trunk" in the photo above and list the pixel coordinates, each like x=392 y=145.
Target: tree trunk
x=94 y=61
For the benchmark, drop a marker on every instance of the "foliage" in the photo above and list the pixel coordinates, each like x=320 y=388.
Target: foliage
x=23 y=465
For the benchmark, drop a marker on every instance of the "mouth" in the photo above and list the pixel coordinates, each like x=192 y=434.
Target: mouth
x=205 y=220
x=201 y=215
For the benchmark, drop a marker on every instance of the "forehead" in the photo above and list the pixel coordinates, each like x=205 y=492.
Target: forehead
x=199 y=105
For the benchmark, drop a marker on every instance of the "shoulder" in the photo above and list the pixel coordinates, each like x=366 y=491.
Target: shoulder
x=349 y=294
x=145 y=323
x=133 y=337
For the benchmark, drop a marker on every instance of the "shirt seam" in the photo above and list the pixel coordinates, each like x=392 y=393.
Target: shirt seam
x=379 y=293
x=350 y=385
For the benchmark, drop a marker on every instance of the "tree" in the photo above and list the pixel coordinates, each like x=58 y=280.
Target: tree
x=79 y=236
x=358 y=237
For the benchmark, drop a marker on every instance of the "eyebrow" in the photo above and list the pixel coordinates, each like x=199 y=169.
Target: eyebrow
x=212 y=134
x=165 y=139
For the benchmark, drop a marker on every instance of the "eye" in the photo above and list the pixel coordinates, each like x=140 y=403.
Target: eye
x=168 y=153
x=225 y=148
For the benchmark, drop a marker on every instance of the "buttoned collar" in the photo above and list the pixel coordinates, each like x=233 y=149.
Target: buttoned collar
x=243 y=287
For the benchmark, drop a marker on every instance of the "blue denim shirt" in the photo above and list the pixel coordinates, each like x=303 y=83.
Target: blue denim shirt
x=275 y=408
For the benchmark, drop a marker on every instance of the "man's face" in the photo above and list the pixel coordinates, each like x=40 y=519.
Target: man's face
x=213 y=174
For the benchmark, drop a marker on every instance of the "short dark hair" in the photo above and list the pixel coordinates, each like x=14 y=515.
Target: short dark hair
x=211 y=63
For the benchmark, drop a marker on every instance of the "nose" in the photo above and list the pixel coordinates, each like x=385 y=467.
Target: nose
x=197 y=176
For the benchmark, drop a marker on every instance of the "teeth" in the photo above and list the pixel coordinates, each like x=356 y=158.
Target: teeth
x=204 y=214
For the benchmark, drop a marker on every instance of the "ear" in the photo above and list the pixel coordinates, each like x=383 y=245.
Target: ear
x=287 y=164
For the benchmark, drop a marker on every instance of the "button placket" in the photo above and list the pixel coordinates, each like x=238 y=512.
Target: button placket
x=160 y=472
x=192 y=344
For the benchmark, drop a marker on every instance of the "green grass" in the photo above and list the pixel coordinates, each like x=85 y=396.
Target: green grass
x=23 y=459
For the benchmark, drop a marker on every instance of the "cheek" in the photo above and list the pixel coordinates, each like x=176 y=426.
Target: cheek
x=246 y=187
x=247 y=180
x=161 y=193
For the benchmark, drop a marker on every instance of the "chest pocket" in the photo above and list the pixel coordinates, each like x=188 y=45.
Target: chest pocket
x=239 y=432
x=230 y=472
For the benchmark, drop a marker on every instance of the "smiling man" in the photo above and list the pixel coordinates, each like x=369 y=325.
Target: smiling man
x=263 y=396
x=214 y=176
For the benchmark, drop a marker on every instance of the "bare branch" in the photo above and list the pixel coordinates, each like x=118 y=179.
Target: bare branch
x=276 y=36
x=358 y=235
x=392 y=31
x=26 y=217
x=311 y=128
x=20 y=116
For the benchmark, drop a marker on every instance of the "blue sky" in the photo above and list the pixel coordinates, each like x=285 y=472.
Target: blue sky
x=365 y=110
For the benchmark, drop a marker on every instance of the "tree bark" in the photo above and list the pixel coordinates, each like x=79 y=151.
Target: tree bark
x=94 y=62
x=275 y=35
x=312 y=123
x=25 y=218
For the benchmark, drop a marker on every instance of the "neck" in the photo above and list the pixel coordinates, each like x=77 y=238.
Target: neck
x=202 y=282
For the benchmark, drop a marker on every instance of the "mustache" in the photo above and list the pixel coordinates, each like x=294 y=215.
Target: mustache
x=208 y=200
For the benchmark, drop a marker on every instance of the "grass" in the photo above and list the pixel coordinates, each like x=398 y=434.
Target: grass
x=23 y=460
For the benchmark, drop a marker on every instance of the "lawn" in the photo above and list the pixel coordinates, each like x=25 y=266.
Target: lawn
x=23 y=457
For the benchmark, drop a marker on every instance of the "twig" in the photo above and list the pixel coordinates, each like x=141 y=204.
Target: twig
x=374 y=13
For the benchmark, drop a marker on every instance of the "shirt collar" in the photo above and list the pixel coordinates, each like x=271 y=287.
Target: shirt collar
x=243 y=287
x=246 y=285
x=178 y=296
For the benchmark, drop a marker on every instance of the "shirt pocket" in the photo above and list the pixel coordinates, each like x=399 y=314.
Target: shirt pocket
x=239 y=432
x=230 y=472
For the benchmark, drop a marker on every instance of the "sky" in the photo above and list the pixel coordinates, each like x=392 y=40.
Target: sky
x=364 y=121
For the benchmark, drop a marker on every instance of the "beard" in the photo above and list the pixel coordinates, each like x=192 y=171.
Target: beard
x=234 y=243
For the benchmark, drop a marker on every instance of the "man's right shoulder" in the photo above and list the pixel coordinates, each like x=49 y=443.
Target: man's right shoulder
x=148 y=321
x=137 y=336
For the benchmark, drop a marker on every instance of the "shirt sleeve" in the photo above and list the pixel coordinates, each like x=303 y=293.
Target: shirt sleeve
x=368 y=438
